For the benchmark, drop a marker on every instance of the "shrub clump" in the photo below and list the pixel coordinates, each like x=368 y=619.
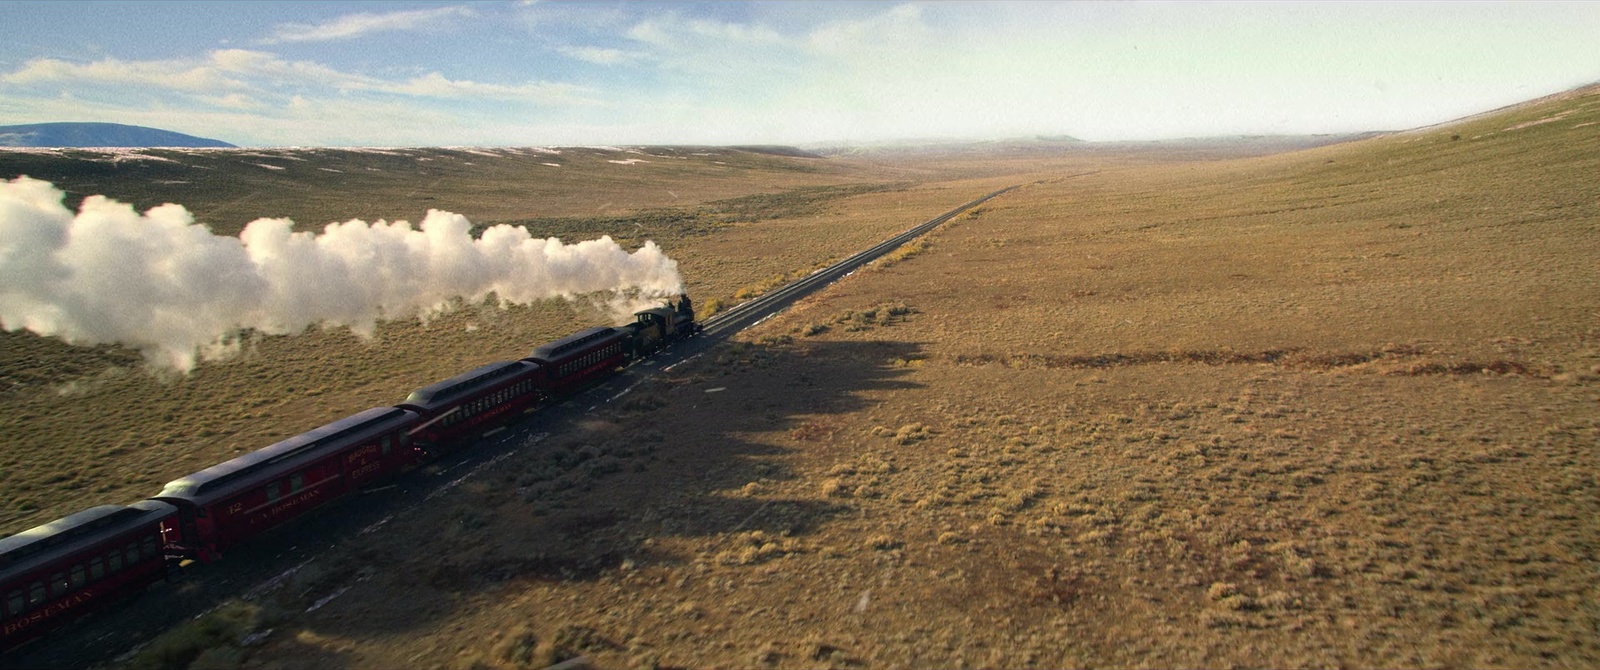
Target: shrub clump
x=213 y=640
x=882 y=314
x=912 y=432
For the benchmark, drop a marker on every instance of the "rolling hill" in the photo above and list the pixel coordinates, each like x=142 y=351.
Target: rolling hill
x=98 y=135
x=1328 y=407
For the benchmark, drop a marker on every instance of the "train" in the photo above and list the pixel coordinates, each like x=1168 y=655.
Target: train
x=73 y=566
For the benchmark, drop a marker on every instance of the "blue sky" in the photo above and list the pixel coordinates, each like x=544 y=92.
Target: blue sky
x=564 y=73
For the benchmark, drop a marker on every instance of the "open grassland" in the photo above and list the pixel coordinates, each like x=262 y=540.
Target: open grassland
x=1333 y=408
x=88 y=426
x=227 y=188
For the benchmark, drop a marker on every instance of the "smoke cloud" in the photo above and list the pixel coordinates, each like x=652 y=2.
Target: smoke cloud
x=167 y=286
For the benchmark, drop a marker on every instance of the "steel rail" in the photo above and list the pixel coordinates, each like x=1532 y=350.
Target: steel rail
x=747 y=313
x=120 y=629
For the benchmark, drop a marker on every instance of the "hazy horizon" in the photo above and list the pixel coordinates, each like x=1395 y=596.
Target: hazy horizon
x=796 y=73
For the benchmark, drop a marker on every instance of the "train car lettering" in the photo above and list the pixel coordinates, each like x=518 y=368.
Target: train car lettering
x=286 y=506
x=365 y=470
x=50 y=611
x=362 y=455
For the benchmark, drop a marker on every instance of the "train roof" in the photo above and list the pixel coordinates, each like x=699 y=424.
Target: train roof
x=40 y=545
x=571 y=343
x=439 y=393
x=275 y=459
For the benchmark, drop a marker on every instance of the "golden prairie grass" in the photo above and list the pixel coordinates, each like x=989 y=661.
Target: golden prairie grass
x=319 y=186
x=1327 y=408
x=92 y=426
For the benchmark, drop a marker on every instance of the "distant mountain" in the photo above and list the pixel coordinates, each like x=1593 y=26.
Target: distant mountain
x=98 y=135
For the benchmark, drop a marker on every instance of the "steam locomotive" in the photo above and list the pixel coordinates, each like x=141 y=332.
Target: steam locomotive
x=56 y=572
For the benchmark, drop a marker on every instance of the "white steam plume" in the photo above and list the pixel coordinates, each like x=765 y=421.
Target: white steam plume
x=167 y=286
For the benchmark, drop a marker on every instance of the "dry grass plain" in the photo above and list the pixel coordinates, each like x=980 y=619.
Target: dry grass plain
x=1336 y=407
x=92 y=425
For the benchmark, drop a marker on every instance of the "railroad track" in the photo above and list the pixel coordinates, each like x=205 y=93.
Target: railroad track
x=102 y=638
x=753 y=311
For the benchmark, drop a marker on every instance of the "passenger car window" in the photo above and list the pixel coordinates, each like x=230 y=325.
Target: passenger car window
x=14 y=601
x=114 y=561
x=78 y=578
x=58 y=585
x=35 y=594
x=297 y=481
x=97 y=568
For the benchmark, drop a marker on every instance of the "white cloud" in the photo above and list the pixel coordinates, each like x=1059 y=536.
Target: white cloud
x=734 y=32
x=268 y=68
x=602 y=56
x=899 y=27
x=172 y=75
x=229 y=71
x=651 y=32
x=806 y=72
x=352 y=26
x=234 y=101
x=223 y=70
x=701 y=58
x=674 y=31
x=437 y=86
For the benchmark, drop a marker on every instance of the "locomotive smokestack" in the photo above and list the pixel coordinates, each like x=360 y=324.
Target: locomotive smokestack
x=165 y=285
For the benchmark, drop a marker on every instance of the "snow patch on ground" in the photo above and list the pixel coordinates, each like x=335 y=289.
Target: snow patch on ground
x=279 y=155
x=381 y=151
x=1536 y=122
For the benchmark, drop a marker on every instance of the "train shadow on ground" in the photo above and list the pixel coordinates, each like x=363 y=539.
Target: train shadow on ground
x=692 y=454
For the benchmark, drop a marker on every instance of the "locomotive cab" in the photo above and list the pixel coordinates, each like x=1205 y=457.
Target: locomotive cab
x=652 y=328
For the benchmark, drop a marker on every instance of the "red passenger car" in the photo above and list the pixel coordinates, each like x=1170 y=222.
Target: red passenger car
x=55 y=572
x=468 y=404
x=573 y=362
x=224 y=505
